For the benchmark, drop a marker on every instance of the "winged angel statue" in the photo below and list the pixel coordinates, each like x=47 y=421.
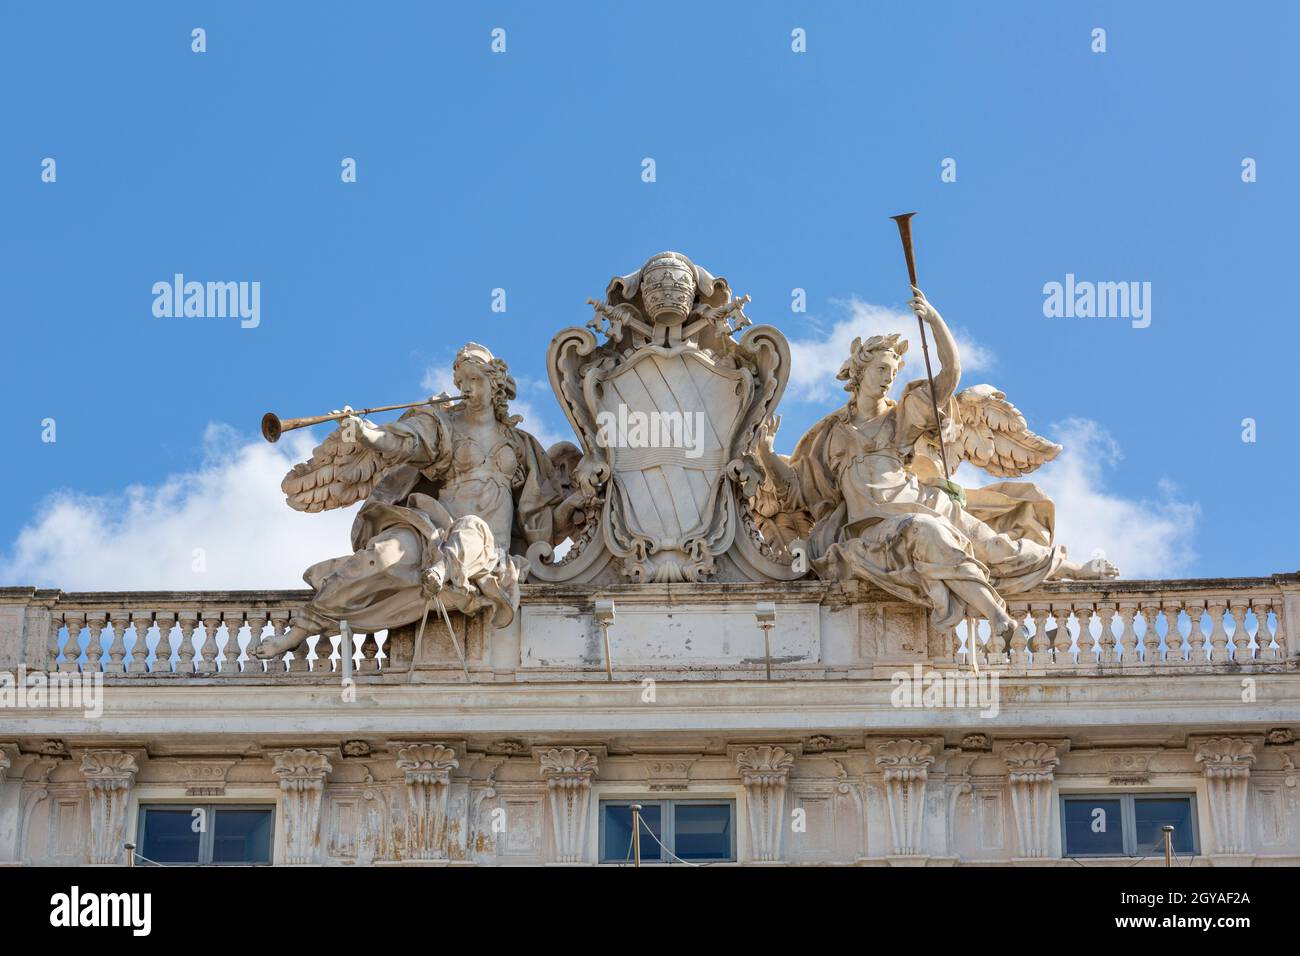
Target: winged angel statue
x=453 y=493
x=863 y=490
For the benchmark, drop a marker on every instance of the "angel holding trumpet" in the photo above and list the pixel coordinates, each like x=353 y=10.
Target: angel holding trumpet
x=865 y=488
x=454 y=492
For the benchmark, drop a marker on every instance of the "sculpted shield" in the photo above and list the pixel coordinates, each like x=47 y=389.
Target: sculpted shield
x=667 y=409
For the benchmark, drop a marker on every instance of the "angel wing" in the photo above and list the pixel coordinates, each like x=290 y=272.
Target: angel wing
x=339 y=473
x=992 y=434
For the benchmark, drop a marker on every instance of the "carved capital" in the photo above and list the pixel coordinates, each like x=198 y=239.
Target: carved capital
x=764 y=771
x=302 y=782
x=1227 y=762
x=428 y=770
x=1031 y=767
x=905 y=764
x=568 y=772
x=109 y=775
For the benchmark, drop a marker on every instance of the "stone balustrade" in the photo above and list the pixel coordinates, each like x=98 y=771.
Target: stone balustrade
x=1173 y=626
x=1143 y=625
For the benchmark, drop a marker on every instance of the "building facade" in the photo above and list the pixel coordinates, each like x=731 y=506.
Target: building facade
x=793 y=723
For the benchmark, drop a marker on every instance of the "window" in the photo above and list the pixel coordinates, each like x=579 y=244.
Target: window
x=1128 y=824
x=693 y=831
x=203 y=834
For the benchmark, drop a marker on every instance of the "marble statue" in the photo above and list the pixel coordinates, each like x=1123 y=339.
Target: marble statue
x=672 y=394
x=864 y=493
x=454 y=493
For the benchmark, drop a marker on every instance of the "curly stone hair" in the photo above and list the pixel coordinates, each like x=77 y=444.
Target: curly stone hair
x=497 y=372
x=860 y=356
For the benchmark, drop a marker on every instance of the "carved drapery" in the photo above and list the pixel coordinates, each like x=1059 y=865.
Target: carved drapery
x=764 y=771
x=1227 y=762
x=905 y=764
x=302 y=780
x=428 y=770
x=1031 y=767
x=109 y=775
x=568 y=774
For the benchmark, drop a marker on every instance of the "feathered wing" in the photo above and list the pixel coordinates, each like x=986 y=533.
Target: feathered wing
x=993 y=435
x=338 y=474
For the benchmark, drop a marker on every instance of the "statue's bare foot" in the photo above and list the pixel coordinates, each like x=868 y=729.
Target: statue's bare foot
x=273 y=648
x=433 y=579
x=1098 y=569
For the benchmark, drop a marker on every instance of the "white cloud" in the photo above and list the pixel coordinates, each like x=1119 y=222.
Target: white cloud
x=1149 y=537
x=814 y=361
x=145 y=538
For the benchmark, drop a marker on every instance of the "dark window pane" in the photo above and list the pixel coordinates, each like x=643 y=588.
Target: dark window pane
x=170 y=835
x=1152 y=813
x=702 y=831
x=1093 y=827
x=618 y=833
x=241 y=836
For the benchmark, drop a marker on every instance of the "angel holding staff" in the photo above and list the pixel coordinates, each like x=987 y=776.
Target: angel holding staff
x=864 y=487
x=452 y=496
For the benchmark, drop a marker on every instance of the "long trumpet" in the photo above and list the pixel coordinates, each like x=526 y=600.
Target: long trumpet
x=273 y=426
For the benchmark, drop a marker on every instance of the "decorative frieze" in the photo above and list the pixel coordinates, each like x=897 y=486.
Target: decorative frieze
x=568 y=772
x=302 y=776
x=109 y=775
x=205 y=778
x=1227 y=762
x=1031 y=767
x=764 y=771
x=428 y=770
x=905 y=764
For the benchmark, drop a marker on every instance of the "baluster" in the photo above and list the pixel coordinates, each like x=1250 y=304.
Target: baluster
x=300 y=664
x=208 y=652
x=370 y=654
x=256 y=625
x=162 y=653
x=324 y=650
x=139 y=656
x=94 y=649
x=71 y=662
x=1218 y=636
x=1106 y=639
x=189 y=621
x=1173 y=635
x=1061 y=647
x=1240 y=636
x=234 y=621
x=1126 y=645
x=1264 y=636
x=996 y=648
x=52 y=642
x=279 y=624
x=1019 y=640
x=117 y=648
x=1039 y=643
x=1198 y=649
x=1148 y=644
x=1087 y=652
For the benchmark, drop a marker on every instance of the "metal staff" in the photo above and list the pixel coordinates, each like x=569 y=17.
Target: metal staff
x=273 y=426
x=904 y=221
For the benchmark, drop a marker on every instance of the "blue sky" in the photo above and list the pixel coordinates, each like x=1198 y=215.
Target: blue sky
x=522 y=171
